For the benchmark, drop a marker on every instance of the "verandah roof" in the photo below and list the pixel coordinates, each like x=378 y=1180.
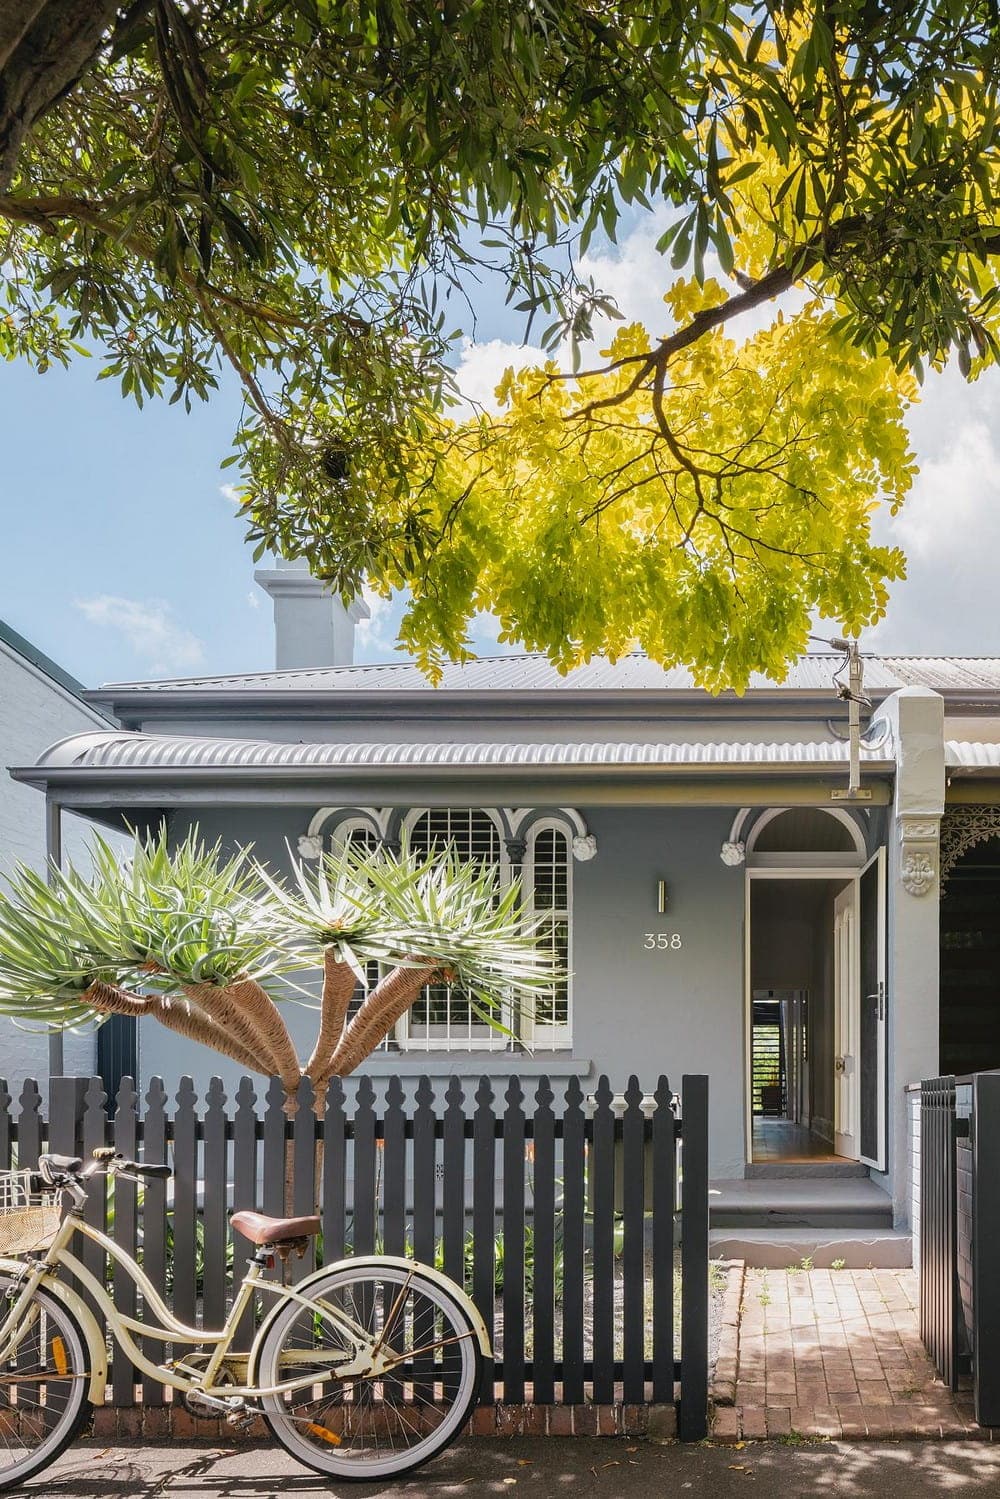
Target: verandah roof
x=123 y=756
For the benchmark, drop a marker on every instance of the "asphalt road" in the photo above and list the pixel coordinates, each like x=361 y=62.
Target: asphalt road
x=543 y=1469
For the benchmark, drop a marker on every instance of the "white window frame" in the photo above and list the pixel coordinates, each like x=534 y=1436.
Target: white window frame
x=489 y=1040
x=338 y=836
x=532 y=1035
x=537 y=1036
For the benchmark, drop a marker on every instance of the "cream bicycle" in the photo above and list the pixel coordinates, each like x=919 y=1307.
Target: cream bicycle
x=364 y=1370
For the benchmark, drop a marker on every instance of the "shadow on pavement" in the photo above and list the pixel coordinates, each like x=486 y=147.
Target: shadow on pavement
x=544 y=1469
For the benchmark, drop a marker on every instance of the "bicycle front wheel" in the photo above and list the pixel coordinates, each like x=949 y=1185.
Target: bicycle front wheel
x=43 y=1387
x=363 y=1428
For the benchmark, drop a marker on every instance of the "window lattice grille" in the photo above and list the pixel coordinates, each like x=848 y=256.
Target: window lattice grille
x=444 y=1017
x=549 y=897
x=364 y=838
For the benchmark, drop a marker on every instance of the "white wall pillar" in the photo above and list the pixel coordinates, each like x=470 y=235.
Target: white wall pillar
x=916 y=715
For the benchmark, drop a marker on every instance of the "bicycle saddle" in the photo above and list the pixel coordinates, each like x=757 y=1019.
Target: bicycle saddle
x=260 y=1229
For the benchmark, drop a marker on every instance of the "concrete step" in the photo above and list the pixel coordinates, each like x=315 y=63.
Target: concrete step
x=767 y=1170
x=786 y=1248
x=799 y=1202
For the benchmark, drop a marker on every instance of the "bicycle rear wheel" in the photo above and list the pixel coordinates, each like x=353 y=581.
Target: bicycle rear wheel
x=43 y=1388
x=363 y=1428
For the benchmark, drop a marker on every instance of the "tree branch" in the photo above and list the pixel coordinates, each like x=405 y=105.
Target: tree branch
x=56 y=42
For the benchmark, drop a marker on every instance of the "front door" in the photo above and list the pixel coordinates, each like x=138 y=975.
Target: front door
x=873 y=1020
x=860 y=1016
x=845 y=1021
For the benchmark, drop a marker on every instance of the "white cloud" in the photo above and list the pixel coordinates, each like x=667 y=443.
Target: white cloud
x=253 y=599
x=635 y=275
x=481 y=369
x=231 y=493
x=376 y=636
x=949 y=527
x=155 y=638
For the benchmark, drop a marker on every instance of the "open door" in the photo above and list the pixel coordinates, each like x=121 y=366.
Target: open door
x=873 y=1018
x=860 y=1017
x=845 y=1021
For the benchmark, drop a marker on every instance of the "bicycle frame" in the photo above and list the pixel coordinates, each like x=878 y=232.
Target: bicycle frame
x=125 y=1330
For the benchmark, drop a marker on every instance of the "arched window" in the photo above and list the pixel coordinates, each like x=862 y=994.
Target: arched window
x=356 y=831
x=804 y=836
x=548 y=872
x=444 y=1018
x=359 y=833
x=473 y=831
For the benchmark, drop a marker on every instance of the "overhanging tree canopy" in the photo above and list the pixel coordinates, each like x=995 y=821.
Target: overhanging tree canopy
x=290 y=189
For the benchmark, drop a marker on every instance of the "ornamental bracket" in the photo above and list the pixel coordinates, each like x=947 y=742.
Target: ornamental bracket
x=918 y=852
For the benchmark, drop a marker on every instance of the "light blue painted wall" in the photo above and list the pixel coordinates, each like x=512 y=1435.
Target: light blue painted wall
x=634 y=1010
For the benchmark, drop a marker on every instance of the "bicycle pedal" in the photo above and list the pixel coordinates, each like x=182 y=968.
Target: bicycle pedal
x=242 y=1419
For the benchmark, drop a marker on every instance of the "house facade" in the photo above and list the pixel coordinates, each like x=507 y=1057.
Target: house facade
x=724 y=901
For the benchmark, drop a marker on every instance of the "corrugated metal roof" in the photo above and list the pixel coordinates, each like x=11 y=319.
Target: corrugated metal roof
x=634 y=672
x=150 y=752
x=972 y=754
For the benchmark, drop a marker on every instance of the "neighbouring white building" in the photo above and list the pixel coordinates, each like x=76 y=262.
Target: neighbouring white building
x=39 y=703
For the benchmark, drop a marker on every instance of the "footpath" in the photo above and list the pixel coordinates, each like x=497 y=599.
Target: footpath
x=546 y=1468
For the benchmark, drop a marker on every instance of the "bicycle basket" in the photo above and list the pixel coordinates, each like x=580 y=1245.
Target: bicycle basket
x=28 y=1220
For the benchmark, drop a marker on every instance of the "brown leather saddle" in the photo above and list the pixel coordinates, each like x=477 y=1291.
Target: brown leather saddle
x=280 y=1234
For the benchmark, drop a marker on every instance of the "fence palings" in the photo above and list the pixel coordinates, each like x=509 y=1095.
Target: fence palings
x=558 y=1214
x=939 y=1292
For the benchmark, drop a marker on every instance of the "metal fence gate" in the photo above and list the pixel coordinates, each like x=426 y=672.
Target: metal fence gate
x=960 y=1233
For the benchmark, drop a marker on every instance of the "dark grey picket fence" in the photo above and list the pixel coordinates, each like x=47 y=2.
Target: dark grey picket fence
x=560 y=1216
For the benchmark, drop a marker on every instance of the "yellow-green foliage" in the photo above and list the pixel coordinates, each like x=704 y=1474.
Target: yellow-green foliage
x=710 y=540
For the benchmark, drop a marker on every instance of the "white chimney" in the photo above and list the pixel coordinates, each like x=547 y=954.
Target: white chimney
x=312 y=626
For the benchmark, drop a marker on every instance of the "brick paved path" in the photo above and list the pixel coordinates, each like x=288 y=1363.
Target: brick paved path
x=834 y=1353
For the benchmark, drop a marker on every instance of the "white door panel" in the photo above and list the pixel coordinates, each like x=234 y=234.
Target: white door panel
x=845 y=1039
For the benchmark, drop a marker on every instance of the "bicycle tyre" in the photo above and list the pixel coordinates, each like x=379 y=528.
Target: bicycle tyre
x=62 y=1399
x=341 y=1431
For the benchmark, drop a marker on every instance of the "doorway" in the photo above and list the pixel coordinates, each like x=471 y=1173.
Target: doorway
x=794 y=973
x=815 y=985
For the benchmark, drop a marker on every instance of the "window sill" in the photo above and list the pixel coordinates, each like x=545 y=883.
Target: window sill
x=553 y=1064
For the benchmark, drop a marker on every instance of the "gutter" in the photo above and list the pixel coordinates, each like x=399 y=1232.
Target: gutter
x=43 y=777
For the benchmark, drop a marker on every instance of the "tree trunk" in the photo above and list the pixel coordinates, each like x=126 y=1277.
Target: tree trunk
x=338 y=985
x=253 y=1000
x=187 y=1019
x=217 y=1003
x=180 y=1015
x=384 y=1006
x=45 y=48
x=110 y=1000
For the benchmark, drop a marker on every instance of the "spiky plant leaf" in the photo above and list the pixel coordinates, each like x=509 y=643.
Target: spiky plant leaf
x=415 y=909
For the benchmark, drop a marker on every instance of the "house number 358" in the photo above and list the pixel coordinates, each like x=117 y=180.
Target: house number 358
x=665 y=941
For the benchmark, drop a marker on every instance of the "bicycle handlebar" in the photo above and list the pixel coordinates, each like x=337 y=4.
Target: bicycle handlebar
x=59 y=1170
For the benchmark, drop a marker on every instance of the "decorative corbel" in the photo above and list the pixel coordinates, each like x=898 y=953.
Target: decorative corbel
x=919 y=838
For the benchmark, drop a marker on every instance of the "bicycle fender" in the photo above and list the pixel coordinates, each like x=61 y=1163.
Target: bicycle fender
x=78 y=1309
x=374 y=1261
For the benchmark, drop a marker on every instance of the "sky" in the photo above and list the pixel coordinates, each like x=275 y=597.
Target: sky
x=123 y=558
